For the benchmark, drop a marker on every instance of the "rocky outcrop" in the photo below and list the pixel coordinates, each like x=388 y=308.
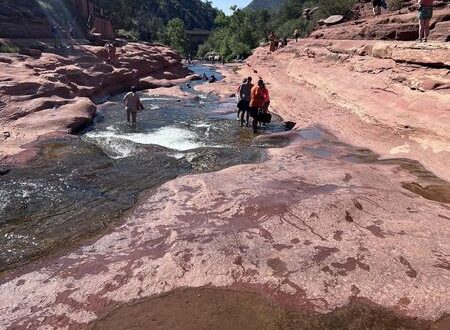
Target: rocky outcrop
x=366 y=87
x=23 y=19
x=56 y=93
x=400 y=25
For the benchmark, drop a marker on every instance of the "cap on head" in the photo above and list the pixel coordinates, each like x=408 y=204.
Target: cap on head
x=260 y=82
x=134 y=89
x=249 y=79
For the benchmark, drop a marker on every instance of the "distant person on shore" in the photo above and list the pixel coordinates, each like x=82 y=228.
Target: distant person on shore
x=132 y=104
x=212 y=79
x=377 y=4
x=296 y=35
x=256 y=103
x=110 y=50
x=205 y=77
x=244 y=101
x=273 y=39
x=425 y=15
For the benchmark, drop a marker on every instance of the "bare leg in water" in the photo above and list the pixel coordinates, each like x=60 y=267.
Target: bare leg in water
x=255 y=124
x=245 y=117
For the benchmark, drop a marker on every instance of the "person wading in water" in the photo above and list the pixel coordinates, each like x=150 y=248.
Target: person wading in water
x=256 y=103
x=132 y=104
x=244 y=100
x=266 y=103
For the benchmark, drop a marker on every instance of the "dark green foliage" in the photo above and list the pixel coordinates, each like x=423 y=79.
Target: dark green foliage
x=240 y=33
x=265 y=4
x=149 y=17
x=175 y=35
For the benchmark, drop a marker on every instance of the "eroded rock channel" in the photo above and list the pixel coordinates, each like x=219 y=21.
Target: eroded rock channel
x=80 y=186
x=298 y=219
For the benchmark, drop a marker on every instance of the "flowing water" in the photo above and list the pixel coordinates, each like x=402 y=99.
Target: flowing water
x=81 y=185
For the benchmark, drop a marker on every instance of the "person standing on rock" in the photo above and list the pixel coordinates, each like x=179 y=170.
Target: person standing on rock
x=244 y=101
x=263 y=115
x=425 y=15
x=132 y=104
x=256 y=103
x=273 y=42
x=296 y=35
x=377 y=4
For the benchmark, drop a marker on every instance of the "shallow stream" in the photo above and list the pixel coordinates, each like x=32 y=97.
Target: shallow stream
x=81 y=185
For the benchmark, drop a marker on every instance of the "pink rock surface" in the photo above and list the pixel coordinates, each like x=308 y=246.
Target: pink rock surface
x=52 y=94
x=309 y=234
x=368 y=93
x=397 y=25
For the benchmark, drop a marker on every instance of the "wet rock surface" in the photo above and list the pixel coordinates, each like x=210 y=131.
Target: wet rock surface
x=226 y=309
x=307 y=231
x=320 y=235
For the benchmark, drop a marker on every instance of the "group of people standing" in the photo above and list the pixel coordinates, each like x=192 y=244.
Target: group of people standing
x=254 y=101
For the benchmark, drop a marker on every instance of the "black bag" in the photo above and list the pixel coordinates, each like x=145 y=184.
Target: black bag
x=265 y=118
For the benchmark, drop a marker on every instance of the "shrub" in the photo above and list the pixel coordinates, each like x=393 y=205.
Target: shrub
x=10 y=49
x=130 y=35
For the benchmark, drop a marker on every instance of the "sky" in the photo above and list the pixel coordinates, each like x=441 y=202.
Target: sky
x=226 y=4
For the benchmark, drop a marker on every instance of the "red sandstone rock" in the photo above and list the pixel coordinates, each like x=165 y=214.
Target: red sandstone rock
x=390 y=26
x=357 y=96
x=31 y=88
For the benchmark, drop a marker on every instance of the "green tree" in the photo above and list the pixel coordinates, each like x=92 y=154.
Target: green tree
x=176 y=35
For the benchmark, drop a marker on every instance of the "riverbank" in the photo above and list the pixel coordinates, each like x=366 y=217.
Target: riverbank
x=390 y=97
x=55 y=94
x=316 y=226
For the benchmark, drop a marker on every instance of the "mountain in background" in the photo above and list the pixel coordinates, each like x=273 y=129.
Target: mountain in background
x=266 y=4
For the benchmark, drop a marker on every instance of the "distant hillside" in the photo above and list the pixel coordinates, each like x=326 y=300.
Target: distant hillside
x=266 y=4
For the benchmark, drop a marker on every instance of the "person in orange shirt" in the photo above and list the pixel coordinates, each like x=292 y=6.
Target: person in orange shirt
x=266 y=102
x=256 y=103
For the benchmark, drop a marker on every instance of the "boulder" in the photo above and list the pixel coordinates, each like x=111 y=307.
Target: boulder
x=335 y=19
x=36 y=53
x=441 y=32
x=381 y=50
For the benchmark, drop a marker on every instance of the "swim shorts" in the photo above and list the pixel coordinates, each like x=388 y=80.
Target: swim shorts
x=425 y=13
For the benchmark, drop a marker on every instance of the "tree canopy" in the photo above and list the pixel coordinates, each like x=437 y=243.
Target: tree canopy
x=240 y=33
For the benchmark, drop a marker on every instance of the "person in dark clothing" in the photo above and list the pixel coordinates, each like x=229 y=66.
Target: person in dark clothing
x=244 y=101
x=377 y=7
